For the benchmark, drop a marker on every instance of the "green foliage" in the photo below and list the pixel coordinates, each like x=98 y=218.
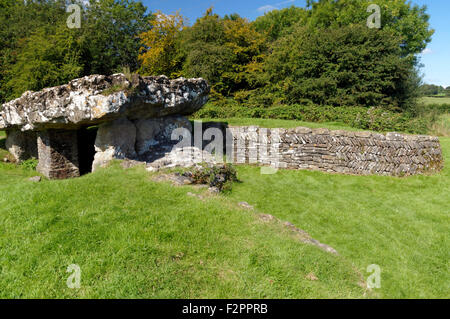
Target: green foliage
x=159 y=53
x=348 y=66
x=110 y=30
x=277 y=23
x=46 y=60
x=205 y=53
x=30 y=164
x=433 y=90
x=316 y=63
x=37 y=49
x=417 y=120
x=20 y=20
x=220 y=176
x=225 y=51
x=404 y=19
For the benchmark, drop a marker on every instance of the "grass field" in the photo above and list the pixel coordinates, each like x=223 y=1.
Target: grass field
x=274 y=123
x=402 y=225
x=427 y=100
x=135 y=238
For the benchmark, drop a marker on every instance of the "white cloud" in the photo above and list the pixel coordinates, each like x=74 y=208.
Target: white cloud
x=427 y=51
x=276 y=6
x=284 y=2
x=266 y=8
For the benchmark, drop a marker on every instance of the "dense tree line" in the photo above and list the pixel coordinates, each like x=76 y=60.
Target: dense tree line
x=433 y=90
x=323 y=54
x=38 y=49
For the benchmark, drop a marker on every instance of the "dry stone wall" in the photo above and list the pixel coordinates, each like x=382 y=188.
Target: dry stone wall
x=334 y=151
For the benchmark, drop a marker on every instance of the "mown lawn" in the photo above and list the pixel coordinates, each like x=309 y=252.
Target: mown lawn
x=135 y=238
x=400 y=224
x=274 y=123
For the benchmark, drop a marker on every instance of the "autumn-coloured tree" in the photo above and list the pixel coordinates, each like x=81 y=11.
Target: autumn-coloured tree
x=249 y=49
x=226 y=51
x=159 y=54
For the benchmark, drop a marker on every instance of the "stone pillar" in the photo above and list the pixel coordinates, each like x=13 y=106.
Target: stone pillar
x=22 y=145
x=58 y=154
x=115 y=140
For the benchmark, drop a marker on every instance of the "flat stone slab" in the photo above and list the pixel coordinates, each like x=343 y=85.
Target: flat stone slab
x=97 y=99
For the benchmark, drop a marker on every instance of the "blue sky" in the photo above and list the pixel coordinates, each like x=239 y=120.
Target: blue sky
x=436 y=58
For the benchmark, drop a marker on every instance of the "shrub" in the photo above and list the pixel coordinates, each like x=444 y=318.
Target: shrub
x=30 y=164
x=219 y=176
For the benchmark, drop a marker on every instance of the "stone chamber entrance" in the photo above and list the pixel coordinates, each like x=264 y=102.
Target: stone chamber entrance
x=86 y=148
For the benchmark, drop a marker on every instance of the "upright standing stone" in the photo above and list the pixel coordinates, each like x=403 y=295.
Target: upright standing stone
x=21 y=145
x=58 y=154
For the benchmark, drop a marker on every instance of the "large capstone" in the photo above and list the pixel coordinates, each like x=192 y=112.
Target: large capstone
x=97 y=99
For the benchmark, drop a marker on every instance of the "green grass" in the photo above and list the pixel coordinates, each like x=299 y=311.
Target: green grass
x=428 y=100
x=274 y=123
x=135 y=238
x=401 y=224
x=441 y=127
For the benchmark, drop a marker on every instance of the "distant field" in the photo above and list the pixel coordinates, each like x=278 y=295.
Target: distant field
x=427 y=100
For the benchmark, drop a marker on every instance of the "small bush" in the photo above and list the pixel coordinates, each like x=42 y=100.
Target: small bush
x=30 y=164
x=219 y=176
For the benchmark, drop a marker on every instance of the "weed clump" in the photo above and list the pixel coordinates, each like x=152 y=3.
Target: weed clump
x=218 y=176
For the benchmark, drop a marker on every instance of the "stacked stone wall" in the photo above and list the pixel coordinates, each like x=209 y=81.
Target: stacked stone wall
x=334 y=151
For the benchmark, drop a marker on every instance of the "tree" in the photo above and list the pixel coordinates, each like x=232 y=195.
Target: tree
x=159 y=52
x=37 y=48
x=403 y=19
x=19 y=19
x=110 y=30
x=275 y=23
x=447 y=91
x=430 y=89
x=225 y=51
x=46 y=60
x=347 y=66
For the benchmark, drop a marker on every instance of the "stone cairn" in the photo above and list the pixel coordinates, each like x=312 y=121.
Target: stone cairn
x=143 y=119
